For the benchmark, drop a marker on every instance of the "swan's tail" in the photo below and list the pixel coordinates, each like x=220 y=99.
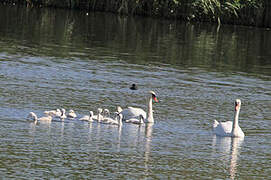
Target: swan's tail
x=215 y=124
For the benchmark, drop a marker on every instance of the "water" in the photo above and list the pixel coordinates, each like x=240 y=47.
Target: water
x=64 y=59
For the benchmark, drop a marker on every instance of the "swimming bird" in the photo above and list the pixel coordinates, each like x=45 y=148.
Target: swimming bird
x=132 y=112
x=56 y=112
x=63 y=114
x=119 y=109
x=116 y=121
x=71 y=114
x=87 y=118
x=139 y=120
x=106 y=113
x=230 y=128
x=119 y=120
x=133 y=87
x=99 y=116
x=32 y=116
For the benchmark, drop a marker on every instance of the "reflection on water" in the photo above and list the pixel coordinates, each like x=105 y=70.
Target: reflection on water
x=236 y=146
x=148 y=135
x=119 y=138
x=53 y=58
x=32 y=128
x=229 y=149
x=108 y=37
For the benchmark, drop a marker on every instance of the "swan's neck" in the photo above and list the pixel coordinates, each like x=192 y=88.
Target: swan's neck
x=141 y=120
x=99 y=117
x=149 y=111
x=119 y=120
x=35 y=117
x=235 y=123
x=63 y=113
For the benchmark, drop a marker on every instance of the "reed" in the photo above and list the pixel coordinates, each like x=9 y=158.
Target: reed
x=246 y=12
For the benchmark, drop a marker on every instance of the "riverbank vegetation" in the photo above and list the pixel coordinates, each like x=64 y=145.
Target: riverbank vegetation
x=244 y=12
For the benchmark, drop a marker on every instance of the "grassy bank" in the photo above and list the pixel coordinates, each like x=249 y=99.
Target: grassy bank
x=244 y=12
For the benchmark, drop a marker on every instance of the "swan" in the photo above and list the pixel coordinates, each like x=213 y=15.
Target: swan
x=63 y=114
x=56 y=112
x=116 y=121
x=106 y=113
x=87 y=118
x=230 y=128
x=108 y=119
x=32 y=116
x=71 y=114
x=99 y=116
x=132 y=112
x=119 y=119
x=139 y=120
x=119 y=109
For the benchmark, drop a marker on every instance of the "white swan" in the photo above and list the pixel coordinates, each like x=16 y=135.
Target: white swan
x=119 y=109
x=116 y=121
x=105 y=114
x=108 y=119
x=32 y=116
x=120 y=120
x=63 y=114
x=139 y=120
x=56 y=112
x=132 y=112
x=99 y=116
x=71 y=114
x=230 y=128
x=87 y=118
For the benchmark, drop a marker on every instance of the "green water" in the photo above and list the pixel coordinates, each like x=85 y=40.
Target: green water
x=54 y=58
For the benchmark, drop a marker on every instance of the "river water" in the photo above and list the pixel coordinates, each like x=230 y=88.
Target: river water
x=55 y=58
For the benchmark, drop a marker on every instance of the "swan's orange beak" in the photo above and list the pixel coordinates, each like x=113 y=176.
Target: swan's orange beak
x=155 y=99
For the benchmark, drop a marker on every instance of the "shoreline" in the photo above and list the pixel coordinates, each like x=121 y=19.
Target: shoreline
x=258 y=15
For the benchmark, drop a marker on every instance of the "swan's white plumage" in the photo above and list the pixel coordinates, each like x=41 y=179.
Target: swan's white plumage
x=63 y=114
x=223 y=128
x=116 y=121
x=132 y=112
x=56 y=112
x=139 y=120
x=119 y=109
x=87 y=118
x=109 y=120
x=99 y=116
x=230 y=128
x=45 y=118
x=72 y=114
x=32 y=116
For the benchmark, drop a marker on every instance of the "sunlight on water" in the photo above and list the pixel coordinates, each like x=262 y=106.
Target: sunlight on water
x=90 y=62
